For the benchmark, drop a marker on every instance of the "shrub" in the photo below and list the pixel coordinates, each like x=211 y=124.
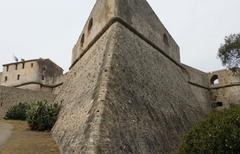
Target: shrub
x=42 y=116
x=218 y=133
x=17 y=112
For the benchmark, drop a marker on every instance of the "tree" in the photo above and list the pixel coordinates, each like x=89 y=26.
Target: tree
x=229 y=52
x=219 y=133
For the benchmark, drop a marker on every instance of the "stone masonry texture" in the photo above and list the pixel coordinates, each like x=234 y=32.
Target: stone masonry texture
x=10 y=96
x=127 y=91
x=125 y=95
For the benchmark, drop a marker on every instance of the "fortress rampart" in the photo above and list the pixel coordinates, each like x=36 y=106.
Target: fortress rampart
x=127 y=90
x=10 y=96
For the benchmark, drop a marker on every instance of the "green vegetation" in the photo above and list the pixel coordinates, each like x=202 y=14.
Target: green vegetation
x=219 y=133
x=17 y=112
x=42 y=116
x=229 y=52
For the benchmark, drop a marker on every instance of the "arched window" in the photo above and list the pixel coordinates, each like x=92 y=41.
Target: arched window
x=90 y=24
x=214 y=80
x=217 y=104
x=82 y=40
x=165 y=39
x=6 y=78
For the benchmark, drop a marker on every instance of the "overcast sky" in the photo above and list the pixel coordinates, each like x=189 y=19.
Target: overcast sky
x=50 y=28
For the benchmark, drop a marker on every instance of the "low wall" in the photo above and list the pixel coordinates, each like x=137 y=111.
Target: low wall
x=198 y=82
x=10 y=96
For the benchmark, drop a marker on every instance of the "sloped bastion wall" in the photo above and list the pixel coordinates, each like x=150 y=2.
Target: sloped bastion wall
x=125 y=93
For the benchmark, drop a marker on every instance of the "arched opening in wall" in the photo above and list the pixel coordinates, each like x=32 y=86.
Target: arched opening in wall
x=82 y=40
x=23 y=65
x=16 y=66
x=217 y=104
x=7 y=68
x=214 y=80
x=165 y=39
x=31 y=65
x=90 y=24
x=18 y=77
x=6 y=78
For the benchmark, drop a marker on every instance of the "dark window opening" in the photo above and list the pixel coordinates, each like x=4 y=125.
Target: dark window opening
x=214 y=80
x=32 y=65
x=18 y=77
x=44 y=68
x=16 y=66
x=6 y=78
x=90 y=24
x=43 y=77
x=165 y=39
x=217 y=104
x=82 y=40
x=7 y=68
x=23 y=65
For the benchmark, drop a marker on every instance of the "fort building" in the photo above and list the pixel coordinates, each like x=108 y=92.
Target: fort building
x=36 y=74
x=127 y=90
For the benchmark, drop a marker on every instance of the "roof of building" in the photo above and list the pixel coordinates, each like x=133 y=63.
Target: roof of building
x=31 y=60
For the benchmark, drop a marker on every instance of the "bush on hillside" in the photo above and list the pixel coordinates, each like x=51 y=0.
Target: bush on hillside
x=17 y=112
x=218 y=133
x=42 y=116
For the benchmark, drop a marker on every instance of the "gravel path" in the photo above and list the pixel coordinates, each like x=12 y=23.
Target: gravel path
x=5 y=132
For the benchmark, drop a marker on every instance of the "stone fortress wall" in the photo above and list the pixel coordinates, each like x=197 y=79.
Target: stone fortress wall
x=127 y=85
x=225 y=87
x=10 y=96
x=127 y=90
x=0 y=77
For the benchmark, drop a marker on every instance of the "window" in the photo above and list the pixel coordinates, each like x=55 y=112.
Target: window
x=82 y=40
x=18 y=77
x=90 y=24
x=214 y=80
x=16 y=66
x=44 y=68
x=165 y=39
x=6 y=78
x=43 y=77
x=217 y=104
x=23 y=65
x=32 y=65
x=7 y=68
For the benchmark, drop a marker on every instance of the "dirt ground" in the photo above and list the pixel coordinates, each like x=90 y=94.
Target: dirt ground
x=25 y=141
